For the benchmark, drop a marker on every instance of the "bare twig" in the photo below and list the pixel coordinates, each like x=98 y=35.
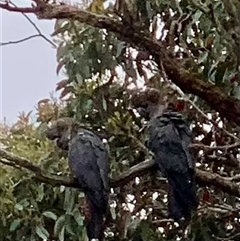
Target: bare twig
x=229 y=160
x=36 y=27
x=164 y=220
x=23 y=11
x=181 y=93
x=184 y=97
x=210 y=120
x=233 y=237
x=210 y=148
x=20 y=40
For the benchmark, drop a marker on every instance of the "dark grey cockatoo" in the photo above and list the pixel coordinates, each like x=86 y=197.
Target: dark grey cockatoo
x=88 y=161
x=169 y=138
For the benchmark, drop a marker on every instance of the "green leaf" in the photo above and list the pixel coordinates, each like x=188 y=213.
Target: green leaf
x=24 y=202
x=81 y=195
x=84 y=235
x=59 y=225
x=69 y=200
x=68 y=226
x=202 y=57
x=18 y=207
x=60 y=51
x=60 y=65
x=120 y=47
x=79 y=78
x=113 y=212
x=149 y=10
x=197 y=16
x=40 y=193
x=61 y=28
x=104 y=103
x=78 y=217
x=42 y=232
x=14 y=225
x=85 y=71
x=62 y=189
x=51 y=215
x=61 y=234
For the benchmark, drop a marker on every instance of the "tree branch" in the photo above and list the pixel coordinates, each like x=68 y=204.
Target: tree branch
x=187 y=81
x=180 y=92
x=203 y=177
x=10 y=8
x=36 y=27
x=213 y=148
x=20 y=40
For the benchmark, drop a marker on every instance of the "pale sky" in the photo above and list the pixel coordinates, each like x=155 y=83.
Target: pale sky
x=28 y=69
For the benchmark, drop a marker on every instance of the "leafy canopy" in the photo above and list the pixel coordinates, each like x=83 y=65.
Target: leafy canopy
x=102 y=70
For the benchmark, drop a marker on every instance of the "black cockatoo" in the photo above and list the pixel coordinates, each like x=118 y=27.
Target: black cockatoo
x=169 y=138
x=88 y=161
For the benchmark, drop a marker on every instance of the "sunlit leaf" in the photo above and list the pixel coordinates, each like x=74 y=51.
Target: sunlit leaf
x=51 y=215
x=78 y=217
x=42 y=232
x=59 y=224
x=14 y=225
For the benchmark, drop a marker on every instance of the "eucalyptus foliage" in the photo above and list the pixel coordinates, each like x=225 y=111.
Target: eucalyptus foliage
x=101 y=72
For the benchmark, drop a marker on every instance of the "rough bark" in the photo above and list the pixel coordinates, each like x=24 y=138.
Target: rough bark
x=203 y=177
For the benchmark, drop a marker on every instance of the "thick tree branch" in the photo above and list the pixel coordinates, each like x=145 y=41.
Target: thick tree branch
x=36 y=28
x=203 y=177
x=187 y=81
